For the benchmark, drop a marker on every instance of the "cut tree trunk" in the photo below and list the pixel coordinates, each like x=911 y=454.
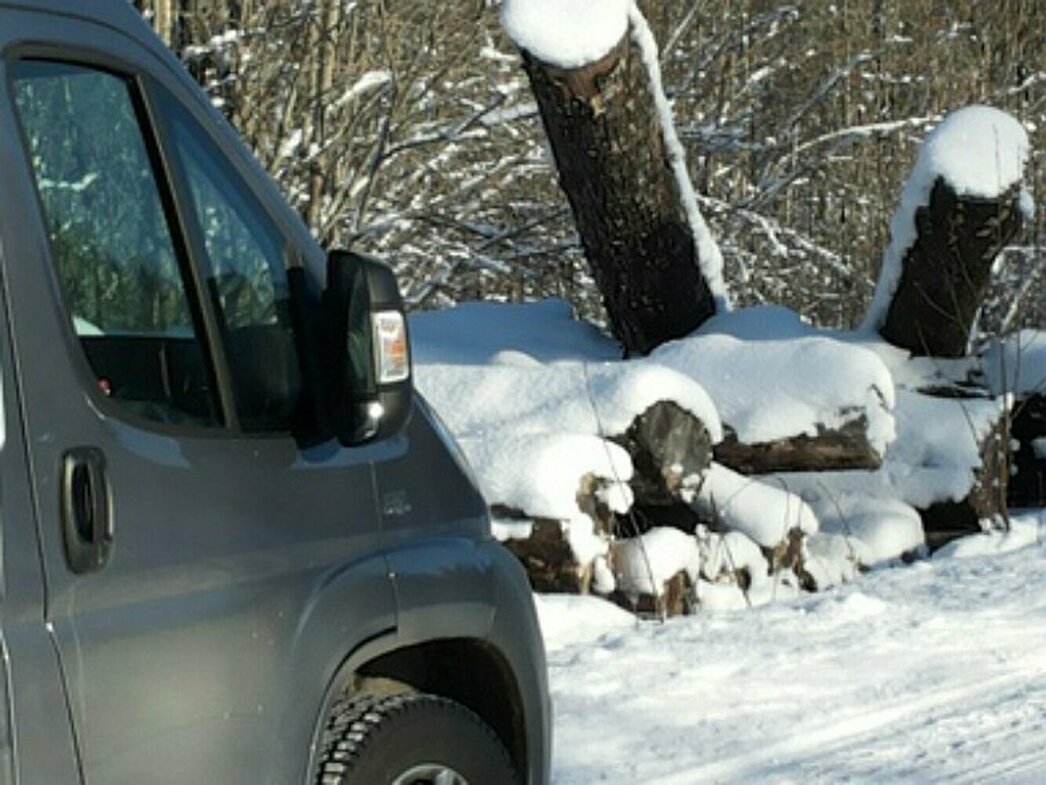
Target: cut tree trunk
x=604 y=129
x=945 y=273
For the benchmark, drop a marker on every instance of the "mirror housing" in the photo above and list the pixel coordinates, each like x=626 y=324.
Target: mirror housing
x=370 y=395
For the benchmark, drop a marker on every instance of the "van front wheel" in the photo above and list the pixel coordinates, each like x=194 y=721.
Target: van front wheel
x=410 y=739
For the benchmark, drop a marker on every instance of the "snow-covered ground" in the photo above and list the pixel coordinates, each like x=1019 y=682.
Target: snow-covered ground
x=931 y=672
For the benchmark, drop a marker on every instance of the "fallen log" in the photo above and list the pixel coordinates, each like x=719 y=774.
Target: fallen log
x=549 y=560
x=846 y=447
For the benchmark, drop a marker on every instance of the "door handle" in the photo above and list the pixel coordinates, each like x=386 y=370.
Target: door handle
x=86 y=508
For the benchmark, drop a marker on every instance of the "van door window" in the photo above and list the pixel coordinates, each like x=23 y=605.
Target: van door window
x=247 y=278
x=120 y=271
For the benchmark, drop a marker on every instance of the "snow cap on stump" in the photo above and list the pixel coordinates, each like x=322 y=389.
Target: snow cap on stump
x=980 y=152
x=566 y=33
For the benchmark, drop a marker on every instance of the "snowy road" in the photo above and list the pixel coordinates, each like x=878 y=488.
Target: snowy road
x=934 y=672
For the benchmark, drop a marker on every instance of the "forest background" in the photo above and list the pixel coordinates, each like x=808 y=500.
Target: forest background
x=407 y=129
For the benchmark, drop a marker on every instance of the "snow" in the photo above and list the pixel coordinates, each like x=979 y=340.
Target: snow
x=533 y=397
x=643 y=564
x=473 y=333
x=931 y=672
x=980 y=152
x=566 y=33
x=773 y=389
x=754 y=506
x=1017 y=363
x=934 y=459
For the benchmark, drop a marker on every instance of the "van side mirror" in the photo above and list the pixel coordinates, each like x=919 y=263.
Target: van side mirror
x=370 y=395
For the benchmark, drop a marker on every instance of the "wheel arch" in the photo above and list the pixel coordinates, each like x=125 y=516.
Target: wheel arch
x=469 y=671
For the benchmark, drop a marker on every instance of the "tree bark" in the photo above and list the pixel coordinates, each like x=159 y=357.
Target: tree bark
x=846 y=447
x=946 y=272
x=1027 y=486
x=605 y=133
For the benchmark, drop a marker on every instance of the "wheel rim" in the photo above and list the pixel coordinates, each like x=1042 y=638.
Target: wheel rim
x=430 y=774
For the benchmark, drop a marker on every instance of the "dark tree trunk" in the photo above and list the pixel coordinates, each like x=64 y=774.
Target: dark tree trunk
x=604 y=130
x=1027 y=487
x=946 y=272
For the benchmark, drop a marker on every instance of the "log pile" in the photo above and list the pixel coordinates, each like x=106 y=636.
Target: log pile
x=616 y=170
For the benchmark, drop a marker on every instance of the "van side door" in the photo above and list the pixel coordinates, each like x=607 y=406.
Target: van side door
x=190 y=543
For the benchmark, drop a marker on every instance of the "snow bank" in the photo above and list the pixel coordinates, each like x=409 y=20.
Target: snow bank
x=857 y=530
x=1024 y=530
x=980 y=152
x=566 y=33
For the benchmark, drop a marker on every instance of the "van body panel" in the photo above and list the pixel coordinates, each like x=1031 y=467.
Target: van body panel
x=186 y=656
x=37 y=742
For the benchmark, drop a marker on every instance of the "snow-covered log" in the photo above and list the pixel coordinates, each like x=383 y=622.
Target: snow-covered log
x=844 y=447
x=962 y=204
x=546 y=553
x=593 y=68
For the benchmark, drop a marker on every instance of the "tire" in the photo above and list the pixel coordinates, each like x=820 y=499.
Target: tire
x=411 y=739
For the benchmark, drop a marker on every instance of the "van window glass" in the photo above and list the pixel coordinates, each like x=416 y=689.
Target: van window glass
x=246 y=276
x=111 y=240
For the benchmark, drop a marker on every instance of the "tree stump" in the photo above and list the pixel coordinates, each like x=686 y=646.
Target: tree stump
x=945 y=273
x=606 y=136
